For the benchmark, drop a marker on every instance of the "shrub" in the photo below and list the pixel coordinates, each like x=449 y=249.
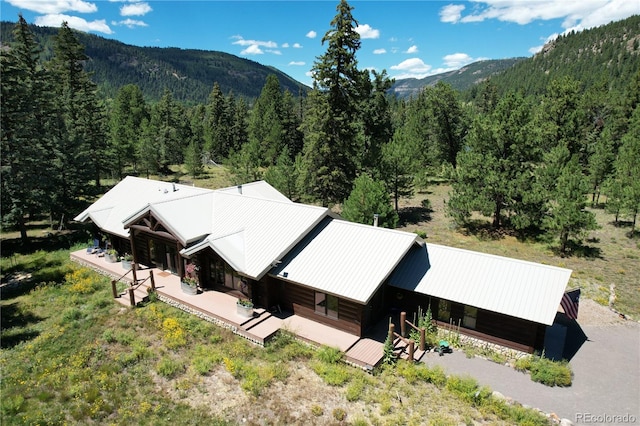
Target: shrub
x=339 y=414
x=551 y=373
x=317 y=410
x=169 y=368
x=329 y=355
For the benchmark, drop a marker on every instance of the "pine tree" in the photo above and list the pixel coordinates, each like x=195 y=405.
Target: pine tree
x=567 y=214
x=368 y=198
x=127 y=113
x=26 y=129
x=331 y=124
x=398 y=166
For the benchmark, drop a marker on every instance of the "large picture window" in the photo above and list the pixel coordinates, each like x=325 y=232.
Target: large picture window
x=470 y=316
x=444 y=310
x=326 y=304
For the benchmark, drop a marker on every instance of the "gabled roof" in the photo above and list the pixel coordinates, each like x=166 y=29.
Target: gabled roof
x=346 y=259
x=257 y=189
x=129 y=196
x=252 y=233
x=521 y=289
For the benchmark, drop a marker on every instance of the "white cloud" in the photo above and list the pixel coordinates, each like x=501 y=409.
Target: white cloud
x=379 y=51
x=135 y=9
x=366 y=31
x=311 y=34
x=297 y=63
x=131 y=23
x=55 y=20
x=297 y=46
x=457 y=60
x=285 y=45
x=242 y=42
x=577 y=15
x=253 y=49
x=54 y=6
x=451 y=13
x=411 y=68
x=412 y=49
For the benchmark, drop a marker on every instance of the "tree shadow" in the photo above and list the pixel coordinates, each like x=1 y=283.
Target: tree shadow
x=52 y=241
x=414 y=215
x=483 y=230
x=578 y=249
x=12 y=317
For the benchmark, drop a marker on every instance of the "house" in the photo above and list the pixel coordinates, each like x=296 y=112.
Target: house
x=253 y=241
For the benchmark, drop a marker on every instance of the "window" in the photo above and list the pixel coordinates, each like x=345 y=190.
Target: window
x=470 y=316
x=326 y=304
x=444 y=310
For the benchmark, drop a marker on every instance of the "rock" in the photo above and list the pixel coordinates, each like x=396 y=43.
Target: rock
x=566 y=422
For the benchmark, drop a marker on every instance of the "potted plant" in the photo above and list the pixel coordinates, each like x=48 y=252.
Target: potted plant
x=126 y=261
x=189 y=282
x=111 y=256
x=244 y=307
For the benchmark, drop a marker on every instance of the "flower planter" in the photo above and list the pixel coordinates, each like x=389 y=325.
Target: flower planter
x=244 y=310
x=188 y=289
x=126 y=264
x=111 y=258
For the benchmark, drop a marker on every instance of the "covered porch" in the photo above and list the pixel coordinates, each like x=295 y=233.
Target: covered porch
x=220 y=308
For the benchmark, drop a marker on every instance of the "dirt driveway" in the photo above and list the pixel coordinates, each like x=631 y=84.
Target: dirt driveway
x=606 y=384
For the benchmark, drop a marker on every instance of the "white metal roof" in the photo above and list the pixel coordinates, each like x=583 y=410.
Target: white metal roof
x=346 y=259
x=257 y=189
x=252 y=233
x=521 y=289
x=129 y=196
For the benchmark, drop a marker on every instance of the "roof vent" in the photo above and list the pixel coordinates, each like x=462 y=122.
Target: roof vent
x=375 y=219
x=239 y=189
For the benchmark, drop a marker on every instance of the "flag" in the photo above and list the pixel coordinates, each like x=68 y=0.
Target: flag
x=570 y=302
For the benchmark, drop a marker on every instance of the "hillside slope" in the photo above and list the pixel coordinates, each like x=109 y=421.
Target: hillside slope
x=189 y=74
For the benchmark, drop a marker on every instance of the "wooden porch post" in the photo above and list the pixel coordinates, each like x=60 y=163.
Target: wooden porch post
x=403 y=324
x=132 y=297
x=134 y=267
x=132 y=239
x=391 y=331
x=153 y=281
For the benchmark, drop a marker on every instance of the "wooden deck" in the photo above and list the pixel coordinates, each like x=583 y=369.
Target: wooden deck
x=220 y=308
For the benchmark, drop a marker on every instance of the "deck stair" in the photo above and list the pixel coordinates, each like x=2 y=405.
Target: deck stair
x=401 y=350
x=259 y=315
x=140 y=292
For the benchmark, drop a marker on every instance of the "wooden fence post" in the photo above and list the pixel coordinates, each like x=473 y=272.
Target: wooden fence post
x=403 y=324
x=423 y=339
x=391 y=331
x=132 y=297
x=114 y=290
x=411 y=349
x=153 y=281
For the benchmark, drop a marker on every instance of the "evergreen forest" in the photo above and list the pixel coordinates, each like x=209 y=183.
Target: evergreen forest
x=530 y=148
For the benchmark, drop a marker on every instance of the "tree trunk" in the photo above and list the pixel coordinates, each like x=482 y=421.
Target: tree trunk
x=22 y=226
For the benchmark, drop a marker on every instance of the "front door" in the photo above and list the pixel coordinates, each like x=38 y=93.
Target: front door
x=164 y=256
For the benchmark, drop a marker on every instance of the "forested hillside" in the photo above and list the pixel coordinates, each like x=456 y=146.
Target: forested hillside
x=608 y=55
x=188 y=74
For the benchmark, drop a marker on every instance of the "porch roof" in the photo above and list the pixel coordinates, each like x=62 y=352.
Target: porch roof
x=130 y=195
x=513 y=287
x=346 y=259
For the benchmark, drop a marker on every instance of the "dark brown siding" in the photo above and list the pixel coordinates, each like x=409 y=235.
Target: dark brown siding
x=301 y=301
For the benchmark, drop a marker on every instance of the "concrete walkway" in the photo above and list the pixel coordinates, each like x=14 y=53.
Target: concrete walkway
x=606 y=379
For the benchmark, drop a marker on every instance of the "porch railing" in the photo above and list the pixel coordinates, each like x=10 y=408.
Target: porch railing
x=134 y=284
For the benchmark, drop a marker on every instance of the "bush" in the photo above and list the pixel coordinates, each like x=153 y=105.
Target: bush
x=169 y=368
x=329 y=355
x=546 y=371
x=551 y=373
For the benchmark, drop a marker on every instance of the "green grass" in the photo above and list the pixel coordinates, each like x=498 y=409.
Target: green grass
x=70 y=355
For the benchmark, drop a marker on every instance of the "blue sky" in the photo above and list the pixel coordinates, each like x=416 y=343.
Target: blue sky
x=407 y=38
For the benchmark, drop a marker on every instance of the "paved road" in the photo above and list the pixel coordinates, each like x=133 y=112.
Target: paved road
x=606 y=378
